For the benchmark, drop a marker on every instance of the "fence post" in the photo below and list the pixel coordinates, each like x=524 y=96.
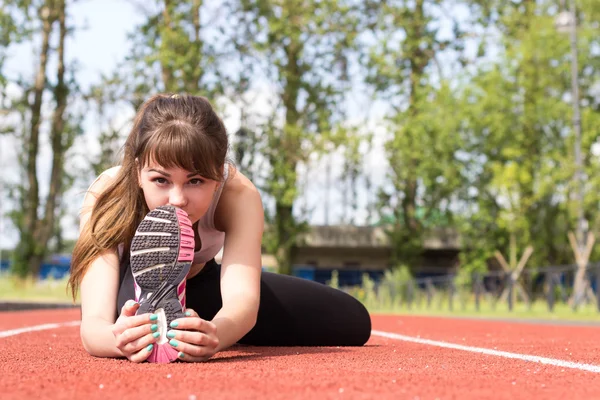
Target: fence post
x=550 y=297
x=494 y=291
x=400 y=294
x=461 y=295
x=509 y=282
x=530 y=292
x=428 y=285
x=451 y=295
x=410 y=293
x=476 y=282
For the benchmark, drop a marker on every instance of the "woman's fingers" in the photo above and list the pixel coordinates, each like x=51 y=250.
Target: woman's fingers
x=139 y=344
x=132 y=334
x=193 y=338
x=143 y=354
x=191 y=352
x=196 y=324
x=191 y=313
x=135 y=335
x=129 y=308
x=193 y=346
x=124 y=323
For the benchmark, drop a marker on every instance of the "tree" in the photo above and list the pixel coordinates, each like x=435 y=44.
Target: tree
x=517 y=126
x=36 y=229
x=169 y=53
x=9 y=33
x=305 y=45
x=103 y=98
x=409 y=63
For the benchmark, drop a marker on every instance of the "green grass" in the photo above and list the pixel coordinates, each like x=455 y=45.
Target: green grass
x=537 y=311
x=390 y=297
x=489 y=308
x=13 y=289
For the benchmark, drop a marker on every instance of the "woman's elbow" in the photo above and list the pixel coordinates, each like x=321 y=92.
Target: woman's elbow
x=252 y=312
x=90 y=340
x=252 y=315
x=85 y=341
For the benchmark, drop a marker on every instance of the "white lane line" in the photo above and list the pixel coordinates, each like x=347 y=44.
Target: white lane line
x=389 y=335
x=44 y=327
x=498 y=353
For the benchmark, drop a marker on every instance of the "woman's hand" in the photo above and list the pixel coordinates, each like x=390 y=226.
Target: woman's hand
x=135 y=334
x=194 y=338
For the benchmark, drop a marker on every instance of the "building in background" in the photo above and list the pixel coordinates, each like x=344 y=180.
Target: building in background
x=355 y=250
x=350 y=250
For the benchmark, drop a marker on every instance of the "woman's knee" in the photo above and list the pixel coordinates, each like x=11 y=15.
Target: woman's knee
x=361 y=323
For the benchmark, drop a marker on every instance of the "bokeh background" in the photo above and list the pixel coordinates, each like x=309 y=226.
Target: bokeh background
x=391 y=140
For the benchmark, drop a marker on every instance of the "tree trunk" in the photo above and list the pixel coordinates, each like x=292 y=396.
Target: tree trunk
x=27 y=247
x=167 y=70
x=194 y=75
x=290 y=145
x=285 y=234
x=60 y=143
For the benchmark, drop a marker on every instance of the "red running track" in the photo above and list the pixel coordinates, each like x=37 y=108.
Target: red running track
x=51 y=364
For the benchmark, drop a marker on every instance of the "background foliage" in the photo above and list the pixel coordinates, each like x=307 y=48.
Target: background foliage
x=473 y=98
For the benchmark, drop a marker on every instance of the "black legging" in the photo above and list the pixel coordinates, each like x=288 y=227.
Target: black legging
x=292 y=312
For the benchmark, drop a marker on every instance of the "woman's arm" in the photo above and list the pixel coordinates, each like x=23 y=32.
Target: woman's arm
x=98 y=289
x=240 y=215
x=100 y=335
x=131 y=335
x=98 y=303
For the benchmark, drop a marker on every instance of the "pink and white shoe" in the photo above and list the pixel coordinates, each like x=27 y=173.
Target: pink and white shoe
x=162 y=252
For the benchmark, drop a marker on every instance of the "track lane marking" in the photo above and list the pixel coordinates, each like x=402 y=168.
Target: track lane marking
x=27 y=329
x=389 y=335
x=498 y=353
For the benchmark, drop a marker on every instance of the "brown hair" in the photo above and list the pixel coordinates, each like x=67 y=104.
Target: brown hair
x=173 y=131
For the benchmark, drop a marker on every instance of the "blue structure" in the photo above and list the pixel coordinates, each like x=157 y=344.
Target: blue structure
x=4 y=265
x=56 y=268
x=346 y=277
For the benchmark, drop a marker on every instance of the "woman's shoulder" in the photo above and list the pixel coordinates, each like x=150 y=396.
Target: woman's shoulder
x=104 y=179
x=95 y=189
x=238 y=185
x=239 y=196
x=111 y=172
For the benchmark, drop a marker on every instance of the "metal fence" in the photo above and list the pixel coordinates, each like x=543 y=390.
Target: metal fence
x=549 y=285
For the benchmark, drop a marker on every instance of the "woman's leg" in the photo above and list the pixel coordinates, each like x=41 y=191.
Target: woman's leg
x=293 y=311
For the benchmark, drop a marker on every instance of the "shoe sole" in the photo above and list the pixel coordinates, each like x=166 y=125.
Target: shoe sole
x=162 y=252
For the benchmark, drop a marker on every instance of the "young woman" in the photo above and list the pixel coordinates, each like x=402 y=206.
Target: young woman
x=150 y=230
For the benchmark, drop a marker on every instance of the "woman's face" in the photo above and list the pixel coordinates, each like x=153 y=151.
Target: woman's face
x=177 y=187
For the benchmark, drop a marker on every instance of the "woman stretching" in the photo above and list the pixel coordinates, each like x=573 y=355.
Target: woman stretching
x=150 y=229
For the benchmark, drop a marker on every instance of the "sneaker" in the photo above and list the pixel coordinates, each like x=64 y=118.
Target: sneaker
x=162 y=252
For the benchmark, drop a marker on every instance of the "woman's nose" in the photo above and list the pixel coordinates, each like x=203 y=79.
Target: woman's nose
x=177 y=198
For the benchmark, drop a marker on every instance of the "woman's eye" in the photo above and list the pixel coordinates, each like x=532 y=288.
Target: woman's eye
x=196 y=181
x=160 y=181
